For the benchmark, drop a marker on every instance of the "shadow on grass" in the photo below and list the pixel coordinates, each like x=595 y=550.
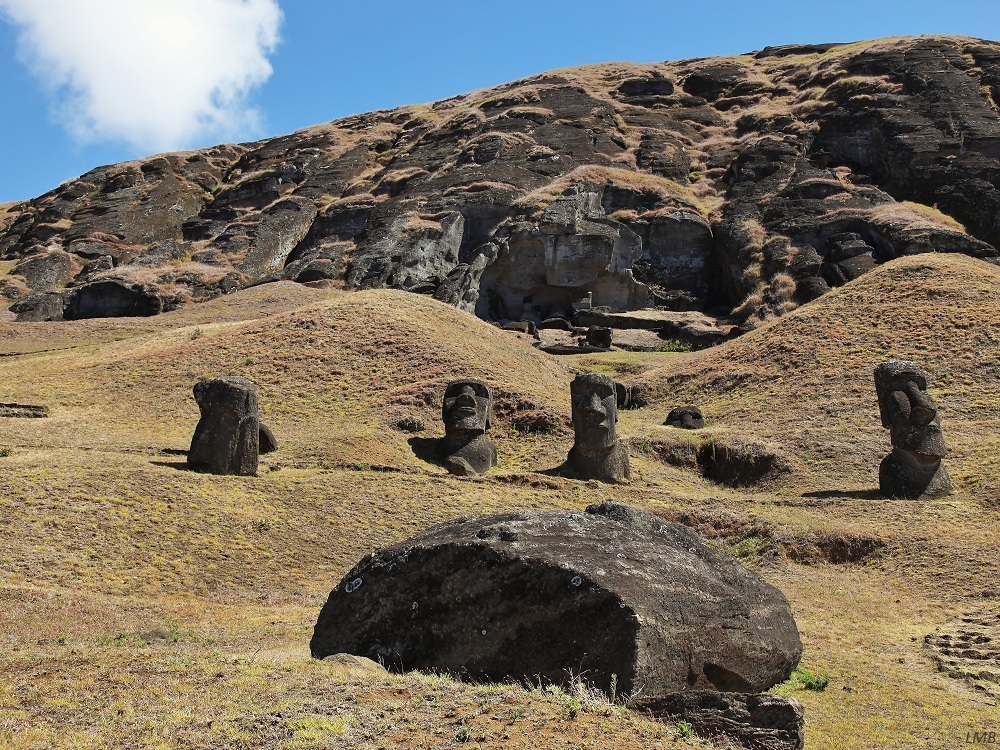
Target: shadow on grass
x=855 y=494
x=563 y=470
x=426 y=449
x=179 y=466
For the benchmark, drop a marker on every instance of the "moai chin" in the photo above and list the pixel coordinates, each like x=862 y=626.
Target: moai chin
x=596 y=452
x=913 y=469
x=227 y=438
x=467 y=413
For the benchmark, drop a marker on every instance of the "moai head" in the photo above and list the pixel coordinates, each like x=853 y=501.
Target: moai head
x=599 y=336
x=595 y=411
x=906 y=408
x=468 y=406
x=227 y=438
x=686 y=418
x=467 y=413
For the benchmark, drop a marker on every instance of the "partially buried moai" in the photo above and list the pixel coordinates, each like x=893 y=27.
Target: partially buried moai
x=686 y=418
x=467 y=413
x=914 y=467
x=596 y=452
x=227 y=438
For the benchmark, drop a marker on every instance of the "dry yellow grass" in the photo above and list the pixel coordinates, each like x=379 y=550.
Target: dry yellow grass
x=107 y=539
x=666 y=190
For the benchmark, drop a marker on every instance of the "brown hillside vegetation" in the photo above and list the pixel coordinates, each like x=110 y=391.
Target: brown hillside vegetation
x=805 y=383
x=146 y=606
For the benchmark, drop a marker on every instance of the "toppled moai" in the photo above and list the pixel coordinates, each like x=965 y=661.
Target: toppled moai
x=227 y=438
x=596 y=453
x=633 y=603
x=467 y=413
x=686 y=418
x=913 y=469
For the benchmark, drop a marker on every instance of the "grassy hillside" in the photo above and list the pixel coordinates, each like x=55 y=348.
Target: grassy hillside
x=144 y=605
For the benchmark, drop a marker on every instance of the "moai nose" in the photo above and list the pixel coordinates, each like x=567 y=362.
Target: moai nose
x=922 y=408
x=594 y=404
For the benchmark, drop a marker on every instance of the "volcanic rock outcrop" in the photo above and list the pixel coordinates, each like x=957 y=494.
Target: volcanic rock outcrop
x=537 y=596
x=753 y=184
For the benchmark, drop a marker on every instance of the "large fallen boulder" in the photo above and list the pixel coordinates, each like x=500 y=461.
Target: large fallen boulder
x=615 y=594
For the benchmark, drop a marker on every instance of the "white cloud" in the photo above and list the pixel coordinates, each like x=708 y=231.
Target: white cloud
x=158 y=74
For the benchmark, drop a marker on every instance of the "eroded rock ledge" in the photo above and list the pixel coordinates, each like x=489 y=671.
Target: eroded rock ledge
x=749 y=184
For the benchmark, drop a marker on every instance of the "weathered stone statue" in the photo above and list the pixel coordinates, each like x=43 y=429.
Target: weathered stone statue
x=686 y=418
x=267 y=442
x=624 y=394
x=596 y=453
x=227 y=438
x=599 y=336
x=467 y=413
x=914 y=467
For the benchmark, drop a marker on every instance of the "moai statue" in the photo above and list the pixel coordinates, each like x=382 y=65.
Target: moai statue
x=624 y=395
x=599 y=336
x=686 y=418
x=913 y=469
x=596 y=452
x=467 y=413
x=227 y=438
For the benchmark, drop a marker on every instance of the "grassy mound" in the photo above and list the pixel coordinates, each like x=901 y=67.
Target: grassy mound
x=804 y=382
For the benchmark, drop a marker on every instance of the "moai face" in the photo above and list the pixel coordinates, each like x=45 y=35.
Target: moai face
x=595 y=411
x=686 y=417
x=468 y=406
x=906 y=408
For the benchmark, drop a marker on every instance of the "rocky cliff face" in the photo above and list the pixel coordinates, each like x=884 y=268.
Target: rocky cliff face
x=753 y=183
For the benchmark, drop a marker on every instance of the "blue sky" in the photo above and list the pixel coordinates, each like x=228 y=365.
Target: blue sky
x=330 y=58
